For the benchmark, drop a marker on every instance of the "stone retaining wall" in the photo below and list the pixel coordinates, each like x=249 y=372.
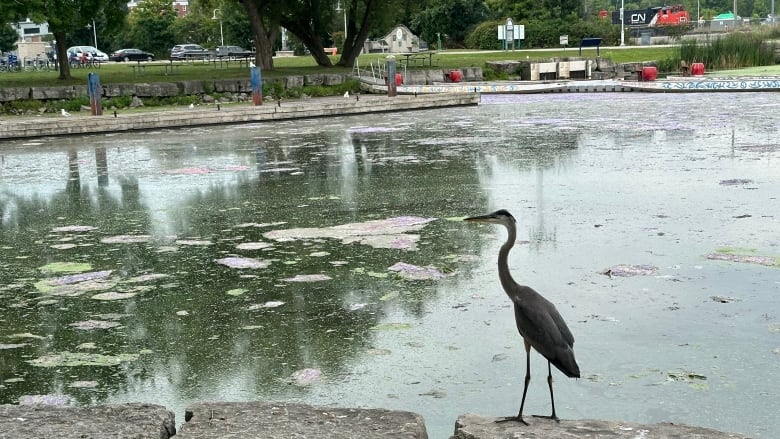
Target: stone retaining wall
x=27 y=127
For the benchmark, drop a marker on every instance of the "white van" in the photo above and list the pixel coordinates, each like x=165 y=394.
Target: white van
x=98 y=55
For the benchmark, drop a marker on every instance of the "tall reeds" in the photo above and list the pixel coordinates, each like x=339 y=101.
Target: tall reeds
x=733 y=51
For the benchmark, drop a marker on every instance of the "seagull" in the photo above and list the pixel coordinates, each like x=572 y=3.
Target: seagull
x=346 y=94
x=192 y=106
x=64 y=113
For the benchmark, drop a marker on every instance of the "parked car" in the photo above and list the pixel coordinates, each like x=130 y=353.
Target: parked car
x=92 y=51
x=190 y=51
x=235 y=51
x=131 y=55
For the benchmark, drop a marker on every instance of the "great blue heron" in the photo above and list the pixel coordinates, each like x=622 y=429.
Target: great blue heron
x=539 y=323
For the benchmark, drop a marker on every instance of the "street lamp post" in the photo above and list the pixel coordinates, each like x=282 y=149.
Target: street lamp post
x=94 y=31
x=338 y=9
x=622 y=24
x=221 y=35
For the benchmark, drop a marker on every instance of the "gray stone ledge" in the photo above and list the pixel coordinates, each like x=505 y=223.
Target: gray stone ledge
x=471 y=426
x=272 y=420
x=280 y=420
x=126 y=421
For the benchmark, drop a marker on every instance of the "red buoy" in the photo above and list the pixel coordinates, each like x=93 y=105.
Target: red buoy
x=697 y=69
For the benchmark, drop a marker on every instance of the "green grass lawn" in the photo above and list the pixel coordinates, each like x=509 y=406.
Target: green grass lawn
x=114 y=73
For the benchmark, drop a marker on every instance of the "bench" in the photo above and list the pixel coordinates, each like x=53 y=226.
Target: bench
x=591 y=42
x=332 y=51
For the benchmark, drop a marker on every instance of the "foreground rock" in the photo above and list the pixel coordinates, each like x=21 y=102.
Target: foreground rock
x=286 y=420
x=470 y=426
x=117 y=421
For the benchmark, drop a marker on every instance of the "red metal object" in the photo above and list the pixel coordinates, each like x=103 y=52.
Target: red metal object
x=697 y=69
x=399 y=79
x=649 y=73
x=456 y=76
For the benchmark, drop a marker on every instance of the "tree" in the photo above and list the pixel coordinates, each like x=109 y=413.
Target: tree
x=8 y=38
x=455 y=18
x=64 y=17
x=151 y=26
x=264 y=21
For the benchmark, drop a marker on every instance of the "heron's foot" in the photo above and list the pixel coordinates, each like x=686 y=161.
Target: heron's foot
x=517 y=418
x=553 y=417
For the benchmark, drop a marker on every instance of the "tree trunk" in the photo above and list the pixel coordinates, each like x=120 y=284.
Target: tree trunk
x=353 y=44
x=263 y=41
x=62 y=54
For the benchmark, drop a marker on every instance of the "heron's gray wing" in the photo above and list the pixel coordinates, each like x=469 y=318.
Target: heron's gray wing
x=543 y=327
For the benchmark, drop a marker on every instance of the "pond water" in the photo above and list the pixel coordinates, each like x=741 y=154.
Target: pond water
x=325 y=261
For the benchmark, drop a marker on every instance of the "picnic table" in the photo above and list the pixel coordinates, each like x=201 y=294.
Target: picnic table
x=419 y=57
x=168 y=68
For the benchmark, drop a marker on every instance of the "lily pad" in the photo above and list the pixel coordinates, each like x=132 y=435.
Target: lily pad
x=66 y=267
x=392 y=326
x=236 y=291
x=83 y=384
x=126 y=239
x=271 y=304
x=74 y=229
x=241 y=263
x=305 y=377
x=377 y=351
x=253 y=245
x=744 y=258
x=414 y=272
x=94 y=324
x=145 y=278
x=71 y=359
x=193 y=242
x=308 y=278
x=26 y=335
x=624 y=270
x=113 y=295
x=74 y=285
x=386 y=233
x=82 y=277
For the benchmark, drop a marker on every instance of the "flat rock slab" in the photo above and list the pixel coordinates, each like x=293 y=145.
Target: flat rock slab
x=127 y=421
x=471 y=426
x=296 y=421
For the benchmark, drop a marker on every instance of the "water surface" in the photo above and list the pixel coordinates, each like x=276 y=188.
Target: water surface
x=119 y=280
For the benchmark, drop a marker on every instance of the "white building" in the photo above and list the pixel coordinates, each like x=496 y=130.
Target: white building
x=30 y=31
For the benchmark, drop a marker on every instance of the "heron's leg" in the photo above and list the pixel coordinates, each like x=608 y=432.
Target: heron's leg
x=552 y=400
x=519 y=416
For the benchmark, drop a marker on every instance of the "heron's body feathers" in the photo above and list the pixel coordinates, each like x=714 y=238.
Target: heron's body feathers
x=539 y=322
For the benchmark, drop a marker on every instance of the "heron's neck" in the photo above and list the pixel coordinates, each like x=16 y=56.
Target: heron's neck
x=503 y=255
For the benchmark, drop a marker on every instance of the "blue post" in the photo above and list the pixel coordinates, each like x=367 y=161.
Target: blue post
x=95 y=92
x=257 y=85
x=391 y=88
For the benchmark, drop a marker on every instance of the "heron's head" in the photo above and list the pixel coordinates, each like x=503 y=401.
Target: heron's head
x=498 y=217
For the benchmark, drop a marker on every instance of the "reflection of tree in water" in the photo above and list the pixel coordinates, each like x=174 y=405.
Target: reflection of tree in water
x=519 y=155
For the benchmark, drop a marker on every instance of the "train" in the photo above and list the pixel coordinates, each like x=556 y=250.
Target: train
x=655 y=18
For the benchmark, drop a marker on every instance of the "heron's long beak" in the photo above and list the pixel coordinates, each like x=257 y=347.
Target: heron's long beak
x=481 y=218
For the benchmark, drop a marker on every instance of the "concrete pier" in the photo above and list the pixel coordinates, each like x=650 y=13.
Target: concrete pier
x=213 y=114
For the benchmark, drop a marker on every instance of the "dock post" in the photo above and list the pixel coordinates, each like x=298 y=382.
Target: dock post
x=257 y=85
x=95 y=91
x=391 y=88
